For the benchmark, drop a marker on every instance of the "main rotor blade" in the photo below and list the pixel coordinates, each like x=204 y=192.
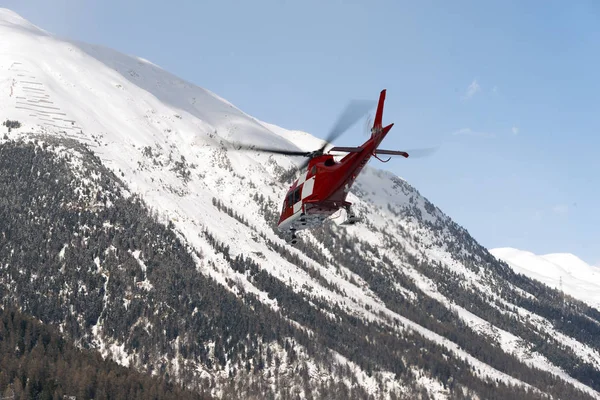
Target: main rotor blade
x=239 y=146
x=368 y=125
x=354 y=111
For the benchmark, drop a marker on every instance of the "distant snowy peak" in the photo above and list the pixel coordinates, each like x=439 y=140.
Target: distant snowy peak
x=569 y=261
x=566 y=261
x=577 y=278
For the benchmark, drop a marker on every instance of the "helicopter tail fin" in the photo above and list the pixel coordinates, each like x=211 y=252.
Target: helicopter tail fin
x=377 y=127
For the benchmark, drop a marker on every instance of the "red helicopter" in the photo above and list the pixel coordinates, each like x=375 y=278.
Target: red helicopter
x=322 y=188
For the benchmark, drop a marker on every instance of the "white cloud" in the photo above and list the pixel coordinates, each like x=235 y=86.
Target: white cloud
x=470 y=132
x=472 y=89
x=515 y=130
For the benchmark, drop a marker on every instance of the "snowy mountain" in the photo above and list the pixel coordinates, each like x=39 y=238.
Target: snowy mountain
x=563 y=271
x=130 y=227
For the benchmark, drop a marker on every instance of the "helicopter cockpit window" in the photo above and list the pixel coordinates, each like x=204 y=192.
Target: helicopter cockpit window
x=293 y=197
x=296 y=195
x=313 y=170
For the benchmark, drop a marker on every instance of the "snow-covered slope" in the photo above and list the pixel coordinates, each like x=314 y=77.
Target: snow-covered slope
x=408 y=270
x=562 y=271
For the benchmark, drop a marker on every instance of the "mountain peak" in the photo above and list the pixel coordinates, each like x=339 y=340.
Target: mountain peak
x=563 y=271
x=7 y=14
x=11 y=19
x=567 y=259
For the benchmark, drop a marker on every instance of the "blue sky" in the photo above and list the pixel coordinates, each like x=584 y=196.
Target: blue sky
x=509 y=90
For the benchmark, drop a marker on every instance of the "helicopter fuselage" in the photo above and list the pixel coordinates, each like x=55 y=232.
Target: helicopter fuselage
x=322 y=189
